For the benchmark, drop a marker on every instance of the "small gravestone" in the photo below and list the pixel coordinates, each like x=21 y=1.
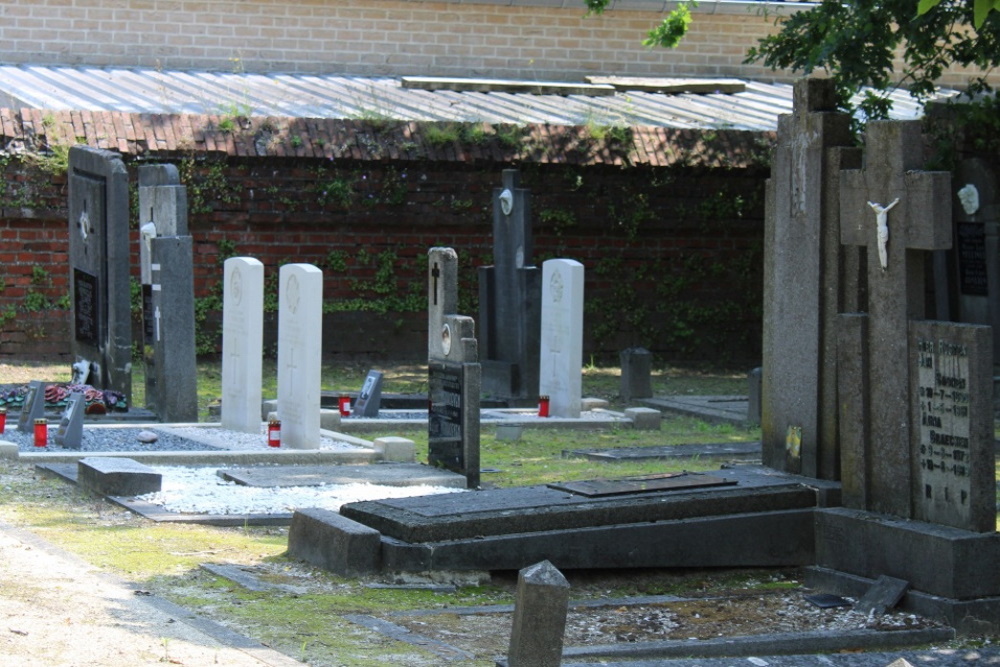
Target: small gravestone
x=753 y=396
x=454 y=374
x=540 y=609
x=636 y=373
x=242 y=344
x=885 y=594
x=99 y=267
x=370 y=396
x=300 y=346
x=167 y=273
x=33 y=408
x=69 y=434
x=510 y=298
x=561 y=365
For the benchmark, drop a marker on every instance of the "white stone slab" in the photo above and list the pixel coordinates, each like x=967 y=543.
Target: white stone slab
x=561 y=362
x=242 y=343
x=300 y=347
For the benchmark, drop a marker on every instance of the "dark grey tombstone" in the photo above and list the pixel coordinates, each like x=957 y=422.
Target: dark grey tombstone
x=806 y=278
x=168 y=332
x=454 y=373
x=951 y=389
x=34 y=407
x=99 y=267
x=370 y=396
x=166 y=272
x=69 y=434
x=637 y=370
x=510 y=294
x=536 y=638
x=915 y=206
x=884 y=594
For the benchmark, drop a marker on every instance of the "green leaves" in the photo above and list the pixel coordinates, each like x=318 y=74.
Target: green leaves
x=671 y=31
x=981 y=9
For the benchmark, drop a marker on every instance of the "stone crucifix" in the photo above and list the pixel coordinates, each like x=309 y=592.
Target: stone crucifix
x=877 y=462
x=882 y=227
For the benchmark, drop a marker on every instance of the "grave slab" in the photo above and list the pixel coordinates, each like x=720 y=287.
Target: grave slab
x=117 y=476
x=387 y=474
x=334 y=543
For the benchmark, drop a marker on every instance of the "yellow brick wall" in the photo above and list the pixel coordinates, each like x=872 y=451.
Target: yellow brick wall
x=532 y=39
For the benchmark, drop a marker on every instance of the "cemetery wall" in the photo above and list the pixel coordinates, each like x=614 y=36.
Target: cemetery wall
x=526 y=39
x=672 y=251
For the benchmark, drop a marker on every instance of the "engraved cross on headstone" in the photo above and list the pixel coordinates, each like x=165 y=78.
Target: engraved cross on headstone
x=880 y=474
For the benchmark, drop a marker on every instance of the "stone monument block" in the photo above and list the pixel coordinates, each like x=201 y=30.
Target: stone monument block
x=69 y=433
x=300 y=354
x=540 y=609
x=99 y=267
x=242 y=344
x=561 y=365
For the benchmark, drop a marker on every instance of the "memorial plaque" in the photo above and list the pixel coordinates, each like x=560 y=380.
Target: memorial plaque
x=970 y=249
x=370 y=397
x=444 y=419
x=86 y=313
x=70 y=431
x=952 y=388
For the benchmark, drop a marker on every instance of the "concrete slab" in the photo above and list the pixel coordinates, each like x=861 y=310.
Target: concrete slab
x=712 y=409
x=384 y=474
x=722 y=450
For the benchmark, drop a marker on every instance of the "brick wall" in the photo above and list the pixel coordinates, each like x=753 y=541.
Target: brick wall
x=672 y=248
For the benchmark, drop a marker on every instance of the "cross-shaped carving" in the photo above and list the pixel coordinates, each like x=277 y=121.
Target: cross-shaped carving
x=921 y=221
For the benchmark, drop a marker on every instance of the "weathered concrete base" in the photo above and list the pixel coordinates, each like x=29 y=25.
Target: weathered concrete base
x=334 y=543
x=117 y=477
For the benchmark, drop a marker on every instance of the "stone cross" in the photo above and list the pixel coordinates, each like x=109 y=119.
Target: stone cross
x=808 y=277
x=877 y=464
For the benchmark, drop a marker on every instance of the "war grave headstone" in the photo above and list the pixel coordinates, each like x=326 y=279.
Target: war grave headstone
x=807 y=278
x=99 y=267
x=370 y=396
x=166 y=261
x=300 y=348
x=454 y=373
x=509 y=299
x=915 y=410
x=69 y=433
x=242 y=344
x=561 y=364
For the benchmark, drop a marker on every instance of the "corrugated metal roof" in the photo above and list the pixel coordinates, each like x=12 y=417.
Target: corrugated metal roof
x=366 y=98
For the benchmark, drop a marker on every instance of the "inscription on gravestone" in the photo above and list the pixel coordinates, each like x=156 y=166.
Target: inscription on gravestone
x=971 y=252
x=444 y=421
x=86 y=312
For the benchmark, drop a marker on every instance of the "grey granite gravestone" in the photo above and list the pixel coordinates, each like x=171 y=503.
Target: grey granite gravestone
x=510 y=294
x=893 y=210
x=99 y=267
x=33 y=408
x=636 y=373
x=454 y=373
x=539 y=624
x=69 y=433
x=370 y=396
x=803 y=285
x=167 y=270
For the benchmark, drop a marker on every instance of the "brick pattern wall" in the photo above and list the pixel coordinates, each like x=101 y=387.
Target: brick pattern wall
x=381 y=37
x=672 y=247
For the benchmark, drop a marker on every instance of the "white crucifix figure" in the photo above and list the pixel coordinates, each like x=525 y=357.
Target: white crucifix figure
x=882 y=221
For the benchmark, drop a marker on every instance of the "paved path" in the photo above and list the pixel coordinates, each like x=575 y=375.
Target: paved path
x=56 y=610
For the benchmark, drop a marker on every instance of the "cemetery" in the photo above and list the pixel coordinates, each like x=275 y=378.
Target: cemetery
x=866 y=501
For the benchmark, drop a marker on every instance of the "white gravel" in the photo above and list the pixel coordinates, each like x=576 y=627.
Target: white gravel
x=202 y=491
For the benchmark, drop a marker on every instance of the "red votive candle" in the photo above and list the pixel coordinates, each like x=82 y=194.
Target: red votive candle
x=345 y=406
x=274 y=433
x=41 y=432
x=543 y=406
x=3 y=420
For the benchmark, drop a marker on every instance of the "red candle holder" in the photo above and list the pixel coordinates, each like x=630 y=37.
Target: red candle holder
x=3 y=420
x=543 y=406
x=344 y=405
x=274 y=433
x=41 y=433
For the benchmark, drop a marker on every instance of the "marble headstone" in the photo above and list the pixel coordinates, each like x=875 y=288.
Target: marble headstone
x=242 y=344
x=561 y=365
x=300 y=348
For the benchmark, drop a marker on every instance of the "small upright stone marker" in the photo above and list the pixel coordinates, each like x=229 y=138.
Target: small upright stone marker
x=300 y=354
x=540 y=609
x=370 y=396
x=34 y=407
x=242 y=344
x=69 y=434
x=637 y=371
x=561 y=366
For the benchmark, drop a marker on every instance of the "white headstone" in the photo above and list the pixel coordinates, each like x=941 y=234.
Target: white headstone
x=561 y=363
x=300 y=346
x=242 y=343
